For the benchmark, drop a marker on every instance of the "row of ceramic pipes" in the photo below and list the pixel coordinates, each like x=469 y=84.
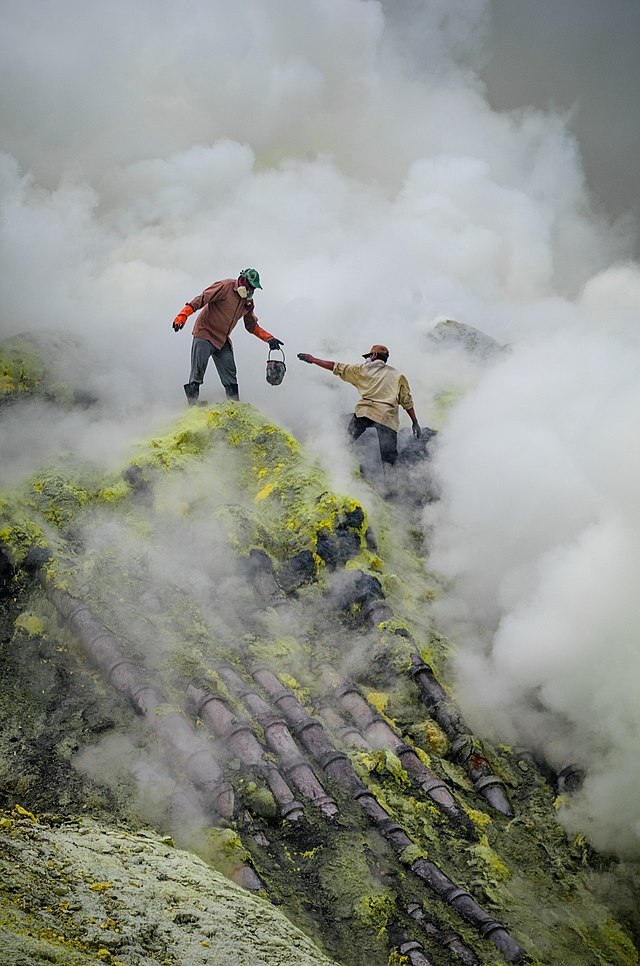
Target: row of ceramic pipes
x=340 y=769
x=466 y=750
x=191 y=756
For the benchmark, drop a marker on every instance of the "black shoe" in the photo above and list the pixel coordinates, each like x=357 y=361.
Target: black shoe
x=192 y=391
x=232 y=392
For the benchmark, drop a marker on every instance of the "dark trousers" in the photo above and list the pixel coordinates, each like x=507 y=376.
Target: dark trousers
x=387 y=438
x=224 y=361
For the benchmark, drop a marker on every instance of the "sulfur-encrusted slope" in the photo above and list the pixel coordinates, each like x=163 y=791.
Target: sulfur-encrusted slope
x=217 y=570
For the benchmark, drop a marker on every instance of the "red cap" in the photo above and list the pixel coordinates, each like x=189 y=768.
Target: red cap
x=376 y=350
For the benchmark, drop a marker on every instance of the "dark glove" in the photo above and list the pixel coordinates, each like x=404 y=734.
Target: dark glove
x=304 y=357
x=178 y=324
x=417 y=432
x=275 y=343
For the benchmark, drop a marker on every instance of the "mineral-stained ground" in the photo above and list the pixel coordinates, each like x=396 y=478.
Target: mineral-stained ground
x=229 y=733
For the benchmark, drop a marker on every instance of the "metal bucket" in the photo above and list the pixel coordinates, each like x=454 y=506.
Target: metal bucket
x=276 y=368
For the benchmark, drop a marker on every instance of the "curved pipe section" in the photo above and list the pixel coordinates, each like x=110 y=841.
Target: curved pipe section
x=337 y=725
x=176 y=736
x=240 y=738
x=280 y=741
x=366 y=592
x=381 y=735
x=444 y=937
x=464 y=747
x=469 y=909
x=414 y=953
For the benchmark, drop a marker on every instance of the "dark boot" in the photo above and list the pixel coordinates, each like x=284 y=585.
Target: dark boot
x=192 y=391
x=232 y=391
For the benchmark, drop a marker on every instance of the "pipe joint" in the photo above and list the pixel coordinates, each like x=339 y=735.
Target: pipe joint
x=282 y=694
x=344 y=689
x=462 y=748
x=362 y=793
x=456 y=893
x=488 y=781
x=420 y=668
x=389 y=827
x=272 y=720
x=308 y=722
x=237 y=728
x=411 y=946
x=331 y=757
x=292 y=811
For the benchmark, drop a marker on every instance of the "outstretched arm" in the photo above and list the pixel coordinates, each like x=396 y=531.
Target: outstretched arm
x=323 y=363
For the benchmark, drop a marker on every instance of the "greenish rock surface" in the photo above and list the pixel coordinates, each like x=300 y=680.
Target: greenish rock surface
x=185 y=565
x=79 y=891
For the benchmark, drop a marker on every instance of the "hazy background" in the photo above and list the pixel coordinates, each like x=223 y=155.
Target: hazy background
x=384 y=166
x=580 y=58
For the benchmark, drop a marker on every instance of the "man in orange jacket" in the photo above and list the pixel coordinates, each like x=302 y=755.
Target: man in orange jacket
x=220 y=307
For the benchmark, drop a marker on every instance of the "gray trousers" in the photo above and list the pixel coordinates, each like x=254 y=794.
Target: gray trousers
x=387 y=437
x=225 y=363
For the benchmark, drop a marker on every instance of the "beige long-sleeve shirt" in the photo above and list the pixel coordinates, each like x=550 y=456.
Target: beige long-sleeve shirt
x=382 y=388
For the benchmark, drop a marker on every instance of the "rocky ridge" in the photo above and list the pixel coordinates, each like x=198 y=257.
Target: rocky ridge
x=251 y=671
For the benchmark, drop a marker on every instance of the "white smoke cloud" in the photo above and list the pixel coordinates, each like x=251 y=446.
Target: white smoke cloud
x=539 y=529
x=346 y=149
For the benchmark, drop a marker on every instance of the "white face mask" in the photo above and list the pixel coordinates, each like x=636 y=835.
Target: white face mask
x=242 y=291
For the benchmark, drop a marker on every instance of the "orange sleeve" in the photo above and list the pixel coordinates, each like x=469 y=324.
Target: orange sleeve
x=258 y=331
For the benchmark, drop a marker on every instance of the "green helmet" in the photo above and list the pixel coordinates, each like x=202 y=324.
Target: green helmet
x=252 y=277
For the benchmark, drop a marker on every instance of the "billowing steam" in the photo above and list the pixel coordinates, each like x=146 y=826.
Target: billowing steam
x=346 y=149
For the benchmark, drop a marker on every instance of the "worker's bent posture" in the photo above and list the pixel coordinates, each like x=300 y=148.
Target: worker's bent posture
x=221 y=306
x=383 y=389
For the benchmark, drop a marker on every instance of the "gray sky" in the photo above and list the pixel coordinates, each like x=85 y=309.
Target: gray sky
x=579 y=56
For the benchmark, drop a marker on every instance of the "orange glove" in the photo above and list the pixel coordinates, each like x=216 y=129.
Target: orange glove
x=181 y=318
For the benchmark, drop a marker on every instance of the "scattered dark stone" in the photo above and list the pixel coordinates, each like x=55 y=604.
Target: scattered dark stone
x=258 y=567
x=185 y=919
x=259 y=561
x=343 y=544
x=337 y=547
x=105 y=725
x=36 y=557
x=301 y=569
x=412 y=450
x=352 y=519
x=84 y=399
x=401 y=632
x=358 y=588
x=6 y=570
x=140 y=485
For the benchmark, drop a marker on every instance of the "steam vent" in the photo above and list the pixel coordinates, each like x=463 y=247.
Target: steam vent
x=230 y=734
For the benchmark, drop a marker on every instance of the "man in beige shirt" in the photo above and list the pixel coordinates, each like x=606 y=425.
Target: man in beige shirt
x=383 y=389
